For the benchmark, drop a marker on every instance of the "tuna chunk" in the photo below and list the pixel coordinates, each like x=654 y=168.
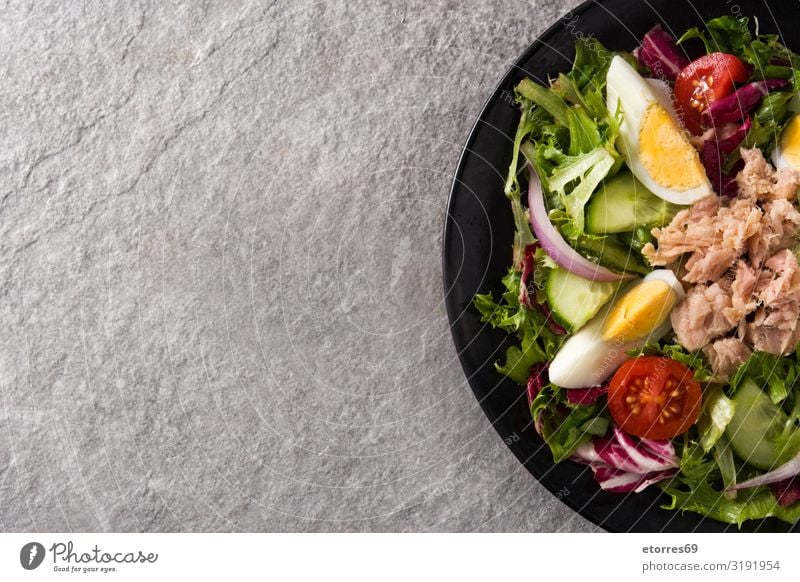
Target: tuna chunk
x=774 y=329
x=709 y=265
x=779 y=227
x=738 y=254
x=689 y=230
x=742 y=289
x=725 y=356
x=786 y=183
x=700 y=317
x=784 y=286
x=760 y=181
x=715 y=235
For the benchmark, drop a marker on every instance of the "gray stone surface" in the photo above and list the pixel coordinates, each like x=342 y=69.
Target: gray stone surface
x=221 y=290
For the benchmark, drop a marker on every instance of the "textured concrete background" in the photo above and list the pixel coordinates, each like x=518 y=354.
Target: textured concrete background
x=221 y=290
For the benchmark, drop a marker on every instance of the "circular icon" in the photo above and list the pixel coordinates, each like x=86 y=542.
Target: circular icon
x=31 y=555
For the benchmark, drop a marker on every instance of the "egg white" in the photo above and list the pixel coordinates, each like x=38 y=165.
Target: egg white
x=587 y=360
x=781 y=154
x=628 y=91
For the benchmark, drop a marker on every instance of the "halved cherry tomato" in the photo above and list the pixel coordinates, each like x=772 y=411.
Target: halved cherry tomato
x=654 y=397
x=705 y=80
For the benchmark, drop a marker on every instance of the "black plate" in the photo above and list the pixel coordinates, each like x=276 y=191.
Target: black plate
x=479 y=231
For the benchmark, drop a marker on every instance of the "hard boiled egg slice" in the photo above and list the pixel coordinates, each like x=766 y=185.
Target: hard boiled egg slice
x=656 y=149
x=640 y=315
x=787 y=154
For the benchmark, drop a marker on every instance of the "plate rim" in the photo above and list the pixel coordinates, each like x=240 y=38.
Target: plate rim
x=450 y=225
x=592 y=511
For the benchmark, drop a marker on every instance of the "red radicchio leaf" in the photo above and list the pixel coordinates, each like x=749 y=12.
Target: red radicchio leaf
x=738 y=104
x=524 y=290
x=786 y=491
x=623 y=464
x=586 y=396
x=527 y=271
x=712 y=156
x=624 y=452
x=557 y=329
x=536 y=381
x=659 y=53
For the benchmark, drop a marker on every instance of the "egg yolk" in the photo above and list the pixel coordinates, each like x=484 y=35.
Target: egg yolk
x=639 y=311
x=790 y=143
x=665 y=151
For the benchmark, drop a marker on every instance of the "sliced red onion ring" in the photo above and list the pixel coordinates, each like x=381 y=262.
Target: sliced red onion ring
x=617 y=481
x=783 y=472
x=555 y=245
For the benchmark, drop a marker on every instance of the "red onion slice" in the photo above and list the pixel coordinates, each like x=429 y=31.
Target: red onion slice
x=617 y=481
x=555 y=245
x=785 y=471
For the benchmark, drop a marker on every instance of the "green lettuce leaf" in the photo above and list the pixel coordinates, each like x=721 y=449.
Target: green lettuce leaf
x=777 y=374
x=694 y=360
x=723 y=456
x=732 y=35
x=538 y=343
x=586 y=171
x=756 y=503
x=695 y=489
x=573 y=161
x=717 y=412
x=523 y=236
x=584 y=85
x=725 y=34
x=566 y=426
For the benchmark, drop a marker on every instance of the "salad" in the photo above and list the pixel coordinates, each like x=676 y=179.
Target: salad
x=655 y=288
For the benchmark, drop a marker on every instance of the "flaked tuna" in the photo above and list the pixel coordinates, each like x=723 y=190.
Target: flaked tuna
x=725 y=356
x=738 y=254
x=743 y=300
x=713 y=235
x=760 y=181
x=700 y=317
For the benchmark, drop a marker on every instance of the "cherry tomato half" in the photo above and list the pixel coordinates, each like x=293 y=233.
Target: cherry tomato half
x=705 y=80
x=654 y=397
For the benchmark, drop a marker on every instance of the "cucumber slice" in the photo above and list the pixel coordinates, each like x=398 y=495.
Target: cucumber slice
x=623 y=203
x=755 y=426
x=574 y=300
